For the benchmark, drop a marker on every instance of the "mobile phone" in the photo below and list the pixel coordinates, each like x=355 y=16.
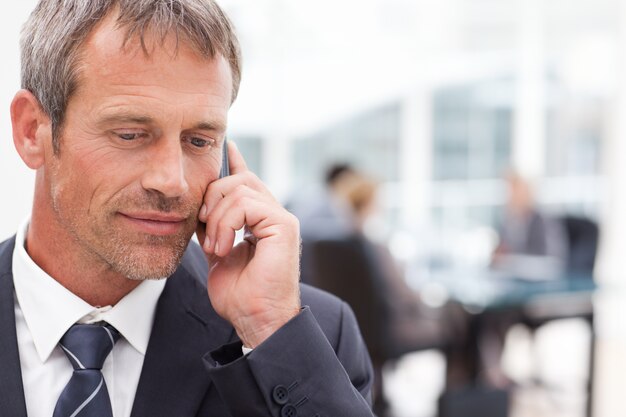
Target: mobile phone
x=225 y=170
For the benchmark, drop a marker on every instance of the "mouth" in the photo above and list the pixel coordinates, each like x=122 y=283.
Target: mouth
x=155 y=223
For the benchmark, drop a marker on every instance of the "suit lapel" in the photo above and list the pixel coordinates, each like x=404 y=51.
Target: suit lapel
x=12 y=402
x=173 y=379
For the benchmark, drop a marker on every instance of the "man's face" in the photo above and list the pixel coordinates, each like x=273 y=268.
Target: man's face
x=140 y=142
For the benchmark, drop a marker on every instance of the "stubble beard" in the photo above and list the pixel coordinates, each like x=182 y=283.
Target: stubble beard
x=132 y=255
x=146 y=264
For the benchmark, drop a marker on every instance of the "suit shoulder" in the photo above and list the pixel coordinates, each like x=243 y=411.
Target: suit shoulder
x=331 y=313
x=7 y=244
x=318 y=299
x=6 y=255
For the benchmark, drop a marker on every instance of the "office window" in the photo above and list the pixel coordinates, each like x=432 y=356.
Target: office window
x=472 y=130
x=575 y=132
x=368 y=140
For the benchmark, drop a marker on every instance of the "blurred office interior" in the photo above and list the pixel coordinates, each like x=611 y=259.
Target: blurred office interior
x=436 y=99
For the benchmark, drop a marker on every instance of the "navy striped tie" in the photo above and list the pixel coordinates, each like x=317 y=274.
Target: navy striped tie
x=86 y=394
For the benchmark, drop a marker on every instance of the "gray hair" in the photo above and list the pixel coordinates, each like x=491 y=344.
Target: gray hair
x=55 y=31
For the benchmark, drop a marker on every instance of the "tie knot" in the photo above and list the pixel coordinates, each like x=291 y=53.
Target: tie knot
x=88 y=345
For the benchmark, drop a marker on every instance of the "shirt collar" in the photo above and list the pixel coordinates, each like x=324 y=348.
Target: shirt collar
x=50 y=309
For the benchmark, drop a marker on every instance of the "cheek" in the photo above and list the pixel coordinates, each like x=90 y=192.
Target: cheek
x=92 y=179
x=70 y=194
x=200 y=174
x=79 y=191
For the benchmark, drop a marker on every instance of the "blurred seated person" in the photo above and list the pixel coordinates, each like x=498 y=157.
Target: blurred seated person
x=325 y=213
x=360 y=192
x=533 y=245
x=393 y=319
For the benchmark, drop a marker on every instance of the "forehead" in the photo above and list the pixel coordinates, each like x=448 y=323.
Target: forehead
x=109 y=60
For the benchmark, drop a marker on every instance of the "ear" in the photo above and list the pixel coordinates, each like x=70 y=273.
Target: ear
x=32 y=128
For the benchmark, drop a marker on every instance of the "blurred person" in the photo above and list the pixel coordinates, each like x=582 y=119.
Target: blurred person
x=410 y=325
x=122 y=115
x=360 y=191
x=532 y=243
x=325 y=213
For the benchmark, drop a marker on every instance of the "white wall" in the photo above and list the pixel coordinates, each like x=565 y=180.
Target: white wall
x=17 y=180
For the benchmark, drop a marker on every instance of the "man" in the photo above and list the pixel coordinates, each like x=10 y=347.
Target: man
x=326 y=213
x=532 y=243
x=323 y=214
x=123 y=115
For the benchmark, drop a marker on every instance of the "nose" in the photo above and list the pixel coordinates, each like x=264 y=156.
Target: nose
x=165 y=171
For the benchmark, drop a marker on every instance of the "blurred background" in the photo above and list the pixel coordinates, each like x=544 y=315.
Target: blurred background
x=436 y=104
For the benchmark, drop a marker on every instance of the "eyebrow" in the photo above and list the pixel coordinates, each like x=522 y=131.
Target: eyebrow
x=127 y=118
x=212 y=126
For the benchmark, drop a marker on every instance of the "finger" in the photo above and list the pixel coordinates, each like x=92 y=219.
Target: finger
x=235 y=159
x=233 y=220
x=259 y=219
x=238 y=215
x=217 y=190
x=235 y=201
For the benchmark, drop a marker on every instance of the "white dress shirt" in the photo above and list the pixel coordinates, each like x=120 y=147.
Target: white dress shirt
x=45 y=310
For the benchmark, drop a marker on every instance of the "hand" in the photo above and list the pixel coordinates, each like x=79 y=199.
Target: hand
x=253 y=285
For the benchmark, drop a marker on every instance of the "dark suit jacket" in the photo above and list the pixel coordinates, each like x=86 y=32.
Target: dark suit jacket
x=316 y=363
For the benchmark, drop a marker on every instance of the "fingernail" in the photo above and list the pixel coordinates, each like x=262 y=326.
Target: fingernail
x=206 y=244
x=217 y=248
x=203 y=211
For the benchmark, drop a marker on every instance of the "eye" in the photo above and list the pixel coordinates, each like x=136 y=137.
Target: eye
x=199 y=143
x=128 y=136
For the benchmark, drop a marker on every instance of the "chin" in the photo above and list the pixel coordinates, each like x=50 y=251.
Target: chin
x=146 y=262
x=151 y=268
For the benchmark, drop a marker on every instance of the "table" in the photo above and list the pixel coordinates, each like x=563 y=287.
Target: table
x=486 y=294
